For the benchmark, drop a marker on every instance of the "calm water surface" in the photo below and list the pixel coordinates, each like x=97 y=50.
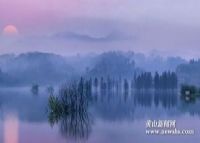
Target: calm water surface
x=109 y=119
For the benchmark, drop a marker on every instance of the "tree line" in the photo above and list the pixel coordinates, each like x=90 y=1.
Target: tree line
x=145 y=80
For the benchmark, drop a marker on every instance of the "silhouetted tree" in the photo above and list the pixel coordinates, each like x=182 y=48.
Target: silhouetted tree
x=126 y=85
x=96 y=83
x=35 y=89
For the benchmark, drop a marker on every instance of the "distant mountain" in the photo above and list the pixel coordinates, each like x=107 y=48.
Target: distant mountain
x=41 y=68
x=90 y=38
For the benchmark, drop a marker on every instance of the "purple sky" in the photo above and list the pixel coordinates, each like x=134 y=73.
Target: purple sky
x=167 y=27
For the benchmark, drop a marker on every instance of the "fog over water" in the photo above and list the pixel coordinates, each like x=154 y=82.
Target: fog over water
x=109 y=116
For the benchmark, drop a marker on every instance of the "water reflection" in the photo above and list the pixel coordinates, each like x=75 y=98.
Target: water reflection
x=143 y=98
x=11 y=128
x=76 y=125
x=21 y=101
x=123 y=106
x=78 y=116
x=70 y=110
x=166 y=98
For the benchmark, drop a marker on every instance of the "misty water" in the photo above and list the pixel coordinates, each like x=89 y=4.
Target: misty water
x=110 y=118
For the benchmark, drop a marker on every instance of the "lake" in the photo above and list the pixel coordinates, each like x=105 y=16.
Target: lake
x=110 y=118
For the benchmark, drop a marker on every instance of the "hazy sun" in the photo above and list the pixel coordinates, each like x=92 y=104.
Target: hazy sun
x=10 y=30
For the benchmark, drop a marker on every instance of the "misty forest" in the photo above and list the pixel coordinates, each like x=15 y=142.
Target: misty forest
x=75 y=92
x=50 y=69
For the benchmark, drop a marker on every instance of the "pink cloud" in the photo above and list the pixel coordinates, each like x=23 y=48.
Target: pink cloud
x=29 y=11
x=35 y=12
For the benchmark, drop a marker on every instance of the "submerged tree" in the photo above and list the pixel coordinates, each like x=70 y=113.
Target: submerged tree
x=35 y=89
x=70 y=109
x=126 y=85
x=96 y=83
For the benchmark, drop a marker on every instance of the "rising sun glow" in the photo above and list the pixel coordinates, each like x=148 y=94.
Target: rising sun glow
x=10 y=30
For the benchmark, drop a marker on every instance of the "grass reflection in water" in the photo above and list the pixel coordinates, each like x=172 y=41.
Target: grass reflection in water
x=70 y=110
